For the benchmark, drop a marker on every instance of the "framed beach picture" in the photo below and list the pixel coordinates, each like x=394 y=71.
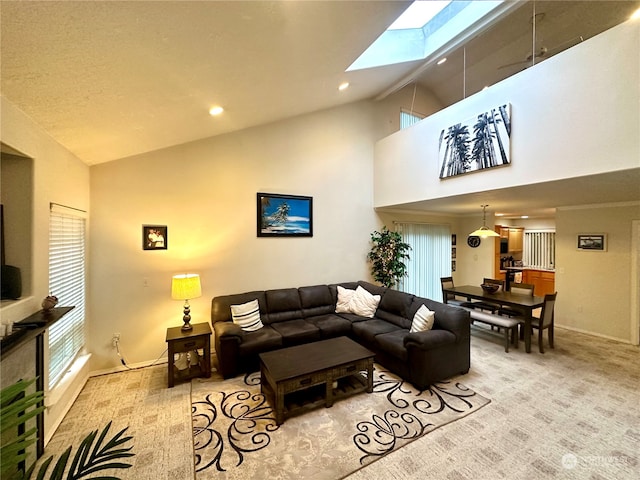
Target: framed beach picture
x=154 y=237
x=284 y=215
x=595 y=242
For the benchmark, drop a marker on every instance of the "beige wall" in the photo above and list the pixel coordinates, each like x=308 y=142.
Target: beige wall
x=59 y=177
x=595 y=287
x=205 y=192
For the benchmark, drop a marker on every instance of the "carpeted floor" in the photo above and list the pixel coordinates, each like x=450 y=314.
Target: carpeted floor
x=236 y=436
x=572 y=413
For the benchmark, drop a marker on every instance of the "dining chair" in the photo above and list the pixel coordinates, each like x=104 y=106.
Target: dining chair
x=485 y=305
x=545 y=321
x=450 y=298
x=518 y=289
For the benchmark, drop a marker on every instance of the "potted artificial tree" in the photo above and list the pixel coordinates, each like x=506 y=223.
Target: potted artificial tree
x=387 y=256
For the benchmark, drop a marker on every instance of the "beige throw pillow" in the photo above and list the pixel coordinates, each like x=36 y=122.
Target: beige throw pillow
x=422 y=320
x=364 y=303
x=344 y=299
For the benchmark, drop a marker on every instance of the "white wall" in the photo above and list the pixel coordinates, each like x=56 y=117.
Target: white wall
x=574 y=114
x=205 y=192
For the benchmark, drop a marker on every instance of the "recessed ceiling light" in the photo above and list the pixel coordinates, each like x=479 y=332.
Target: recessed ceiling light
x=343 y=86
x=442 y=60
x=216 y=111
x=524 y=216
x=499 y=214
x=635 y=15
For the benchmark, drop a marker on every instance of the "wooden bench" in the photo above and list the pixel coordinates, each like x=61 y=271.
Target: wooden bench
x=510 y=325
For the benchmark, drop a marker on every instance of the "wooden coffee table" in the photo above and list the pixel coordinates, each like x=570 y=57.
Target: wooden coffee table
x=311 y=370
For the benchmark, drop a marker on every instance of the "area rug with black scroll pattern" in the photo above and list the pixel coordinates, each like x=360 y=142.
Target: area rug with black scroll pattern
x=236 y=436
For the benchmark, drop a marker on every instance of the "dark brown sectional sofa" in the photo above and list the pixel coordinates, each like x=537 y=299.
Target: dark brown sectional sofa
x=294 y=316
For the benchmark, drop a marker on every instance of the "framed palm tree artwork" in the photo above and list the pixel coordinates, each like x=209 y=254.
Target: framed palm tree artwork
x=478 y=143
x=284 y=215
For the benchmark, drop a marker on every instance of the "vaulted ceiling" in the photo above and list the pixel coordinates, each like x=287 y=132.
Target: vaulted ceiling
x=109 y=80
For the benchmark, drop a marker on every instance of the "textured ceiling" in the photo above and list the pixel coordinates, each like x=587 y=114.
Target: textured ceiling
x=111 y=79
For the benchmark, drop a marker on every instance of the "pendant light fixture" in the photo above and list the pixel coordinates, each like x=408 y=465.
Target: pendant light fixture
x=484 y=231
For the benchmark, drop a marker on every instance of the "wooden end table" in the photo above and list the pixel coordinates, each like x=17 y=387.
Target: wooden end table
x=182 y=342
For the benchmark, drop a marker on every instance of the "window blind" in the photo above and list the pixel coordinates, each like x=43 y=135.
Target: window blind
x=539 y=249
x=407 y=119
x=430 y=258
x=67 y=282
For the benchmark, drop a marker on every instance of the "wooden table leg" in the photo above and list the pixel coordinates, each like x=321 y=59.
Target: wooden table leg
x=370 y=377
x=328 y=399
x=279 y=394
x=527 y=332
x=170 y=356
x=207 y=358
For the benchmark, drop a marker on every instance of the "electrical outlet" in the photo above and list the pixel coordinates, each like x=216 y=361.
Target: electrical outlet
x=115 y=340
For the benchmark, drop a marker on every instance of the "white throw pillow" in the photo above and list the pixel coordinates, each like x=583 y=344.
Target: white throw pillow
x=422 y=320
x=344 y=300
x=364 y=303
x=247 y=316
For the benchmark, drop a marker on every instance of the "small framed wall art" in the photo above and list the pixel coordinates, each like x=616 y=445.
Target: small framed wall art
x=284 y=215
x=593 y=242
x=154 y=237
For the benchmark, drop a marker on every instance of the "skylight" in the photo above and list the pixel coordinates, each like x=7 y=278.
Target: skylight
x=422 y=30
x=418 y=15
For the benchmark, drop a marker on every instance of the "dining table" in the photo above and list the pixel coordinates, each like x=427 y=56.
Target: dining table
x=524 y=303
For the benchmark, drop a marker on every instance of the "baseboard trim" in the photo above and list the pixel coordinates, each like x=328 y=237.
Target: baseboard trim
x=595 y=334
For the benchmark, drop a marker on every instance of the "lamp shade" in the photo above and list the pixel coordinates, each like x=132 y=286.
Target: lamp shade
x=484 y=232
x=186 y=286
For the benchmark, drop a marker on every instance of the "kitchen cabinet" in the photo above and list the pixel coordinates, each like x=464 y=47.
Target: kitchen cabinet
x=515 y=239
x=543 y=281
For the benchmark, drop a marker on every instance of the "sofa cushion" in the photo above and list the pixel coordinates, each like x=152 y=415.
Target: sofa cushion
x=316 y=300
x=368 y=329
x=371 y=288
x=352 y=317
x=260 y=341
x=295 y=332
x=283 y=304
x=247 y=316
x=393 y=343
x=331 y=325
x=394 y=307
x=221 y=306
x=422 y=320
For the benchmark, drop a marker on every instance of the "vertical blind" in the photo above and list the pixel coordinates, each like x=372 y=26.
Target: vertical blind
x=539 y=249
x=67 y=282
x=430 y=258
x=407 y=119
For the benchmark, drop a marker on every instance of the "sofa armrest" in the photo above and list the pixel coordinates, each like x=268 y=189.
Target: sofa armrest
x=430 y=339
x=228 y=337
x=227 y=329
